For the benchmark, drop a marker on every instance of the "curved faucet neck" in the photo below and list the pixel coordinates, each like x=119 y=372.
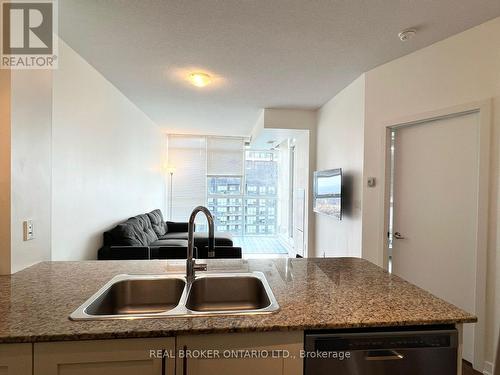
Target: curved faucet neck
x=190 y=262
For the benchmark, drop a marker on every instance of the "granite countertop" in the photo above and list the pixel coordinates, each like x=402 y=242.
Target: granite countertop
x=313 y=293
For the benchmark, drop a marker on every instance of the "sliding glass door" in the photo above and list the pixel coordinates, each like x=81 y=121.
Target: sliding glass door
x=225 y=201
x=261 y=193
x=240 y=187
x=246 y=205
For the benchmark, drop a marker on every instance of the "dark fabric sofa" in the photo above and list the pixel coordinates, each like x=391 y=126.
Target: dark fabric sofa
x=148 y=236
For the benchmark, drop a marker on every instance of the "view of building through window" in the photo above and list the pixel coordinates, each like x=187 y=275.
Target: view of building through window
x=246 y=205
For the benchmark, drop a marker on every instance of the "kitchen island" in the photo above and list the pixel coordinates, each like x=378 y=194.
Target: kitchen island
x=313 y=294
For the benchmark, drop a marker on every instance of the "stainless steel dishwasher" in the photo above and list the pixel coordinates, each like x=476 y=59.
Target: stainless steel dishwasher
x=411 y=351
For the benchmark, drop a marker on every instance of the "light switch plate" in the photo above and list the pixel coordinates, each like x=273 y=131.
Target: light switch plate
x=28 y=230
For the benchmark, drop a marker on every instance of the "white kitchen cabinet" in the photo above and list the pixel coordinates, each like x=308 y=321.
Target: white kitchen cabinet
x=215 y=354
x=104 y=357
x=16 y=359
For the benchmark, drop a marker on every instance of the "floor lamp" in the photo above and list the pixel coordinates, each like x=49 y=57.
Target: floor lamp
x=171 y=171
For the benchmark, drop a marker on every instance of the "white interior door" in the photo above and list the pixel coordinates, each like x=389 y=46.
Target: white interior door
x=436 y=210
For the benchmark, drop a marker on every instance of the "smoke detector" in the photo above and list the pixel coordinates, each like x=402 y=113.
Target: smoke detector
x=407 y=34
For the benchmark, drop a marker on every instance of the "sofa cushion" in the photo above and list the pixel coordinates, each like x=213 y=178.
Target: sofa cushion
x=145 y=228
x=174 y=236
x=178 y=227
x=158 y=224
x=221 y=239
x=124 y=234
x=167 y=243
x=201 y=238
x=136 y=231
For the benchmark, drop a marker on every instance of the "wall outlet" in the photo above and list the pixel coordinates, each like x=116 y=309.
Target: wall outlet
x=28 y=230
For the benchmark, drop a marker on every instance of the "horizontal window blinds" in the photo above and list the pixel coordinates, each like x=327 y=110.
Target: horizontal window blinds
x=188 y=156
x=225 y=156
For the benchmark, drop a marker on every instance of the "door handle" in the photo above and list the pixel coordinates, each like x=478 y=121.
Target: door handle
x=398 y=236
x=384 y=355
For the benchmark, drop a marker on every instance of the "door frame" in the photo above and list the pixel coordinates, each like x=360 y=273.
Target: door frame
x=484 y=111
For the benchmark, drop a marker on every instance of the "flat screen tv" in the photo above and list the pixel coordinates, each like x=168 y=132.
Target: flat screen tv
x=328 y=192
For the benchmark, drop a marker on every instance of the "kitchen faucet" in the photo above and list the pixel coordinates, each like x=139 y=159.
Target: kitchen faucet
x=191 y=266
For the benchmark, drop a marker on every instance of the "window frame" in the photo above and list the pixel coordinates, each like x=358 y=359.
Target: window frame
x=244 y=196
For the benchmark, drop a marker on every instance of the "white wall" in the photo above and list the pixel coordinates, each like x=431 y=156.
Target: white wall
x=462 y=69
x=31 y=123
x=25 y=164
x=340 y=145
x=107 y=159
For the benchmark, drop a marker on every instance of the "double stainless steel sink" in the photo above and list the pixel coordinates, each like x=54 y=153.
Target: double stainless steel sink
x=157 y=296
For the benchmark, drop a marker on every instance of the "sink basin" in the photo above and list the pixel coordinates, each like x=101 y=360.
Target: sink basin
x=162 y=296
x=130 y=296
x=227 y=293
x=149 y=296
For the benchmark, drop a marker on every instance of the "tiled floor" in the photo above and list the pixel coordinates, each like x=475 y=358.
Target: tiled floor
x=260 y=246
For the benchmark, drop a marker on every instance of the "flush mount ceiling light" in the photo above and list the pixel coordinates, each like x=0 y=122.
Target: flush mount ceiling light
x=407 y=34
x=200 y=79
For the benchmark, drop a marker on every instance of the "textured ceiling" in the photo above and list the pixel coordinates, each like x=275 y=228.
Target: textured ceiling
x=264 y=53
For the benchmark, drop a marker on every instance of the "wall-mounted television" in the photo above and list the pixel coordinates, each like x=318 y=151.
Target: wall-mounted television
x=328 y=192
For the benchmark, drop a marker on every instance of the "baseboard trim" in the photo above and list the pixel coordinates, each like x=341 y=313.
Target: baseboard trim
x=488 y=368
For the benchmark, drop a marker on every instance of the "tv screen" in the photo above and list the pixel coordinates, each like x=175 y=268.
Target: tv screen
x=328 y=192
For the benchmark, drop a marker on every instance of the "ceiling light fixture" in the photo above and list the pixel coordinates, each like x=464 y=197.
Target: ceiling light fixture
x=407 y=34
x=200 y=79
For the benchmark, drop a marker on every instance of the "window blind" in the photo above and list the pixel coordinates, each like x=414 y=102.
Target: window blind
x=225 y=156
x=188 y=155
